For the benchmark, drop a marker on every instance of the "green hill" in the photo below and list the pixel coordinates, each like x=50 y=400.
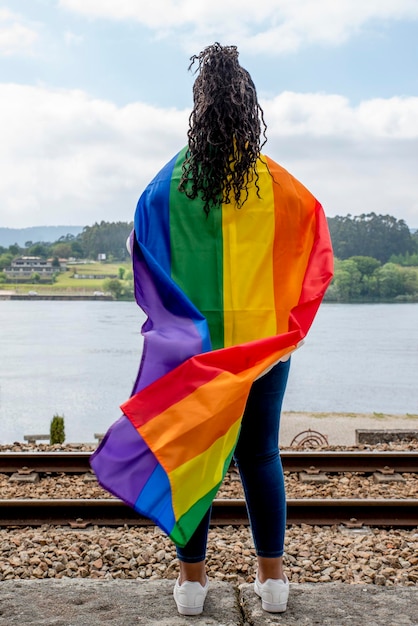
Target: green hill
x=47 y=234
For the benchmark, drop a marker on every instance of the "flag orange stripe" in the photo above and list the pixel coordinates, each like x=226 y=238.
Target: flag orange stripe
x=190 y=426
x=176 y=439
x=294 y=235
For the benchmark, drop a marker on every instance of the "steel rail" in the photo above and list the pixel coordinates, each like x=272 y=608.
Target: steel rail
x=293 y=461
x=80 y=513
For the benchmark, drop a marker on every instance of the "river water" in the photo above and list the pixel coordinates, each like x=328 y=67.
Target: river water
x=80 y=360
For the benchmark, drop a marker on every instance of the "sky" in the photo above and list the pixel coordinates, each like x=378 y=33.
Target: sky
x=95 y=97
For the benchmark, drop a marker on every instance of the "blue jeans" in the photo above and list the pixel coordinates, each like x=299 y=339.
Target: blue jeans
x=258 y=460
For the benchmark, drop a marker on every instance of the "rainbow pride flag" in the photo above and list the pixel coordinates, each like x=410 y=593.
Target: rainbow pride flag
x=226 y=297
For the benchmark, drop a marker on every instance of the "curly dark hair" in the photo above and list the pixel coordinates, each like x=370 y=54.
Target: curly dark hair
x=226 y=130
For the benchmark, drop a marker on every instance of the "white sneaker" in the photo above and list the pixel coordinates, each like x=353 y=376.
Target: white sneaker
x=190 y=597
x=273 y=593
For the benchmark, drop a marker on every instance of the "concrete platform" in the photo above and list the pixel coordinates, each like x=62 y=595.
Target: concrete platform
x=340 y=428
x=84 y=602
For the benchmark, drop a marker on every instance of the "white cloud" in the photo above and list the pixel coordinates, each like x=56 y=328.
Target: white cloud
x=66 y=157
x=272 y=26
x=354 y=159
x=16 y=36
x=323 y=115
x=72 y=39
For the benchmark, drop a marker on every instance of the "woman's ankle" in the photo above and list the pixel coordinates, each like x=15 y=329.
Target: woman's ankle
x=193 y=572
x=270 y=568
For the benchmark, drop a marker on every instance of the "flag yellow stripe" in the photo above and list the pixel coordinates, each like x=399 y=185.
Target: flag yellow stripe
x=248 y=236
x=195 y=478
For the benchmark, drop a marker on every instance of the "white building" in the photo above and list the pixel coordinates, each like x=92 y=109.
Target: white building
x=25 y=266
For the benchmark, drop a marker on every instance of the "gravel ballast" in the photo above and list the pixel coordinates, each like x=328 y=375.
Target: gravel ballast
x=313 y=554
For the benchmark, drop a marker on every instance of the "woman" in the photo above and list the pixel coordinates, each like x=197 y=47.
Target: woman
x=232 y=257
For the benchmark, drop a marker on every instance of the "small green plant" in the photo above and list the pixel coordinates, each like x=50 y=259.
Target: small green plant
x=57 y=431
x=378 y=415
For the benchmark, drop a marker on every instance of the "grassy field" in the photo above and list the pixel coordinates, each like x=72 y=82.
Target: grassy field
x=65 y=282
x=97 y=268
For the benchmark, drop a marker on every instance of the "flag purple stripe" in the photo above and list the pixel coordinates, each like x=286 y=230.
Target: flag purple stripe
x=125 y=462
x=174 y=330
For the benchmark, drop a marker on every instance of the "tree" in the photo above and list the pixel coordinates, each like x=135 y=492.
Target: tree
x=76 y=249
x=366 y=265
x=347 y=280
x=61 y=250
x=66 y=238
x=377 y=236
x=114 y=286
x=391 y=281
x=39 y=249
x=108 y=238
x=14 y=249
x=407 y=260
x=410 y=278
x=5 y=260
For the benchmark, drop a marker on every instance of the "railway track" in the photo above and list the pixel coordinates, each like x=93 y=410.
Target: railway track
x=293 y=461
x=82 y=513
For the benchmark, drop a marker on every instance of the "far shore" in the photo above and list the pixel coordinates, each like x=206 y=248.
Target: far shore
x=4 y=295
x=323 y=429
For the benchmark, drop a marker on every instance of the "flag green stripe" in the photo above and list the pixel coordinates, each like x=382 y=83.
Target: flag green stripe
x=187 y=524
x=197 y=255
